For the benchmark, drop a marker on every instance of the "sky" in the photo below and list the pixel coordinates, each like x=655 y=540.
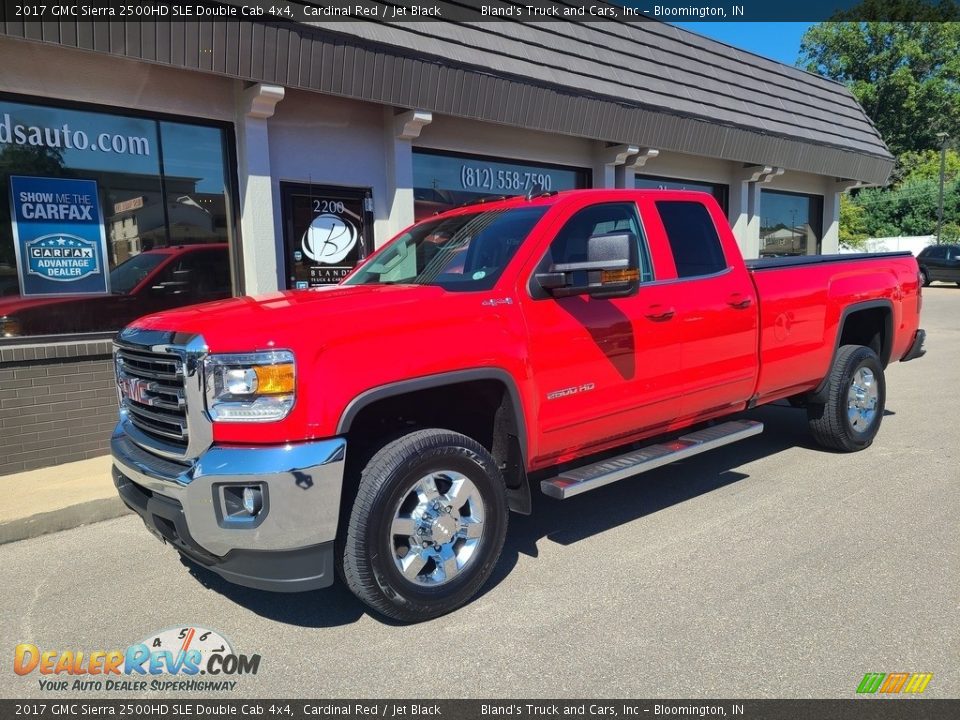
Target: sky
x=776 y=40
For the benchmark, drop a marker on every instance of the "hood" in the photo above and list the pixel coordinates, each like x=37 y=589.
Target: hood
x=278 y=320
x=11 y=305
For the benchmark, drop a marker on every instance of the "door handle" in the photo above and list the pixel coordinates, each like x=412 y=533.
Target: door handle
x=739 y=301
x=659 y=312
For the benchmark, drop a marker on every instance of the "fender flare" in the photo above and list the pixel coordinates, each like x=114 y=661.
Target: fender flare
x=819 y=395
x=519 y=498
x=428 y=382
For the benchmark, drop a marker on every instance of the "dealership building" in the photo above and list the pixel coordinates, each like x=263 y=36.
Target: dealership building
x=207 y=158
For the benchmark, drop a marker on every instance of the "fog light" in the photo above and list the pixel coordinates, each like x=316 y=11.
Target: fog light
x=252 y=501
x=242 y=506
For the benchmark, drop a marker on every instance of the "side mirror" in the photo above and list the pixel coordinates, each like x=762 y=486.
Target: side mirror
x=179 y=285
x=171 y=287
x=611 y=269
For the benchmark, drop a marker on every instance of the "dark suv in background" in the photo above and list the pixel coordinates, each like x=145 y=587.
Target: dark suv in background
x=940 y=262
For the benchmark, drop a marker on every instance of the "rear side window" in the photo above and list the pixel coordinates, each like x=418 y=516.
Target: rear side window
x=693 y=238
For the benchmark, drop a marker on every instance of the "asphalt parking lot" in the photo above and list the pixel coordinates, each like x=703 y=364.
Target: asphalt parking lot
x=768 y=568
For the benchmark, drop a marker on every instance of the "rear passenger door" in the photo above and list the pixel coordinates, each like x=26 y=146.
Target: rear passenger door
x=935 y=259
x=951 y=266
x=716 y=306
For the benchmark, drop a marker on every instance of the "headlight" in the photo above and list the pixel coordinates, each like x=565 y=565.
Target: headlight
x=250 y=387
x=9 y=326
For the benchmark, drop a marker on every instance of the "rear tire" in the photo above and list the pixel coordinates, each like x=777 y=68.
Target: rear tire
x=427 y=526
x=856 y=394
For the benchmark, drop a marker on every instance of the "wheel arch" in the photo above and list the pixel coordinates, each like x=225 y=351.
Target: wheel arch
x=869 y=320
x=508 y=432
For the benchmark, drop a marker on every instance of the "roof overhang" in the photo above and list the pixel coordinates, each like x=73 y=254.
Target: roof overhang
x=322 y=60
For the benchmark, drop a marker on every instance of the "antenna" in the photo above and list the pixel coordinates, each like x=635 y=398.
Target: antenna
x=534 y=190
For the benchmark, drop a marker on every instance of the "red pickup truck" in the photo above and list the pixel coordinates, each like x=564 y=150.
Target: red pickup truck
x=150 y=281
x=383 y=428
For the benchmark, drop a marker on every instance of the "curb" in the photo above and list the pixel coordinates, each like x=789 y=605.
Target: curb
x=66 y=518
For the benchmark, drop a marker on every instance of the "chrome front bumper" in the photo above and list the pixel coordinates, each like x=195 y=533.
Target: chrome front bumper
x=183 y=504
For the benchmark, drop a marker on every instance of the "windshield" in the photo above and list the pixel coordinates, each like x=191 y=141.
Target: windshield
x=463 y=252
x=130 y=273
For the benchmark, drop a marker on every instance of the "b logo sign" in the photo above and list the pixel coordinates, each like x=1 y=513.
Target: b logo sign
x=329 y=239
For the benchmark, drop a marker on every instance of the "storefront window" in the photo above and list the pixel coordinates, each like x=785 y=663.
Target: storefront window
x=790 y=223
x=442 y=181
x=650 y=182
x=104 y=218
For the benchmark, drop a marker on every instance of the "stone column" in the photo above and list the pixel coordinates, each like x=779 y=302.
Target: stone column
x=260 y=226
x=608 y=161
x=397 y=207
x=830 y=242
x=743 y=211
x=626 y=175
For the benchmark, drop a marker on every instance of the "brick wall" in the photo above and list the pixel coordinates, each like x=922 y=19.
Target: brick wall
x=58 y=403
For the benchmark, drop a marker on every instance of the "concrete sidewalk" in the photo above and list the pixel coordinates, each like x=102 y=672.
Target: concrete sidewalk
x=57 y=498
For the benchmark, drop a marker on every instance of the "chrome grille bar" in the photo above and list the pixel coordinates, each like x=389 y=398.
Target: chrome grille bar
x=160 y=384
x=166 y=424
x=152 y=392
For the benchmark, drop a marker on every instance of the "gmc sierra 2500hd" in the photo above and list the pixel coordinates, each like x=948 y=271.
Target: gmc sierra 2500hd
x=383 y=428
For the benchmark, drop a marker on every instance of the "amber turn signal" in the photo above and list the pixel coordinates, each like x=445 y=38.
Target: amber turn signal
x=619 y=276
x=274 y=379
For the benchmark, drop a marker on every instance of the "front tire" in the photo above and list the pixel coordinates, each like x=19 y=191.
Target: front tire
x=924 y=277
x=427 y=525
x=856 y=395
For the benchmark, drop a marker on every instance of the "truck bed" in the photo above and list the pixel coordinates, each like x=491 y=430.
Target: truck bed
x=773 y=263
x=802 y=303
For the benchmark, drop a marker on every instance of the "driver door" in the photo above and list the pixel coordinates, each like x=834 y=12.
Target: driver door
x=603 y=369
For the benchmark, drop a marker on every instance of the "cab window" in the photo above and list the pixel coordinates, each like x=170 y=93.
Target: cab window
x=570 y=244
x=202 y=274
x=693 y=238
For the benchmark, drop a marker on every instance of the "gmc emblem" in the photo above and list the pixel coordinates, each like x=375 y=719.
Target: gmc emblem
x=135 y=389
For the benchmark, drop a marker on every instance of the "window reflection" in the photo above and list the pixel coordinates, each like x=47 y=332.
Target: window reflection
x=650 y=182
x=163 y=189
x=790 y=224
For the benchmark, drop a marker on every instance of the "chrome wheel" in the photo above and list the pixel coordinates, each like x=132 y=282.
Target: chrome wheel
x=436 y=528
x=862 y=400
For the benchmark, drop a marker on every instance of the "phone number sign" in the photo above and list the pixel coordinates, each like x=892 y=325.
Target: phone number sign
x=59 y=238
x=474 y=175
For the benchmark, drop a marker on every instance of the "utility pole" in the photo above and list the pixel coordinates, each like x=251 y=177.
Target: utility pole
x=793 y=229
x=942 y=137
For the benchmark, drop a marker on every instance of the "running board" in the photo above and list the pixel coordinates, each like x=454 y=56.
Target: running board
x=582 y=479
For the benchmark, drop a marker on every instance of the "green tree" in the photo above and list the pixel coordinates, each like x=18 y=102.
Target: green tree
x=950 y=233
x=906 y=75
x=907 y=209
x=925 y=165
x=853 y=223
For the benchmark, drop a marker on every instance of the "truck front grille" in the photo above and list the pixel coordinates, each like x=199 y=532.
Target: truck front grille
x=152 y=390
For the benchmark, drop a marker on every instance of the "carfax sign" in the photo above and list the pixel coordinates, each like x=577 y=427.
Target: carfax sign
x=58 y=236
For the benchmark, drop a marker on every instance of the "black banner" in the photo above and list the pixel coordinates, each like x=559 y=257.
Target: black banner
x=874 y=708
x=393 y=11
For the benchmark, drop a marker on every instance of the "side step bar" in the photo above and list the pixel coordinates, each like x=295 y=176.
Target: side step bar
x=582 y=479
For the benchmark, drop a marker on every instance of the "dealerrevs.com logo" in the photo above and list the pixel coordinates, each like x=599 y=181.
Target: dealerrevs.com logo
x=184 y=653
